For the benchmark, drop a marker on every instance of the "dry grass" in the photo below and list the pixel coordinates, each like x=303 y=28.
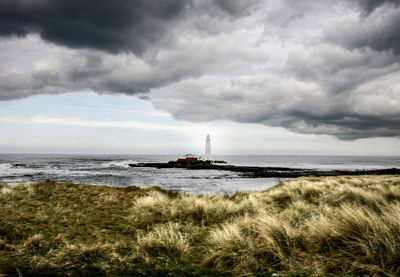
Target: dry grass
x=346 y=226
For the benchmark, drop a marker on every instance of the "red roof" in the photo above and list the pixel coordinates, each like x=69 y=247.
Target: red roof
x=187 y=159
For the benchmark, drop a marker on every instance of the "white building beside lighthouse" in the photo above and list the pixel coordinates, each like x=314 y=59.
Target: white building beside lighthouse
x=208 y=148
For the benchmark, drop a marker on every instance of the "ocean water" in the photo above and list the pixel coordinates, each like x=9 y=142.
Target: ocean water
x=113 y=170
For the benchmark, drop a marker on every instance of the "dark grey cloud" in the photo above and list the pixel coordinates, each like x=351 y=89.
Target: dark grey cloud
x=378 y=31
x=337 y=70
x=345 y=84
x=67 y=70
x=331 y=87
x=371 y=109
x=122 y=46
x=370 y=5
x=112 y=26
x=235 y=7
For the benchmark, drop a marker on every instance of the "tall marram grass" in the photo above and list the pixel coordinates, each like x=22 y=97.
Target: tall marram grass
x=328 y=226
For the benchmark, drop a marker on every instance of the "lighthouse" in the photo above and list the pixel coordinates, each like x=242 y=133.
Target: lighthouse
x=208 y=148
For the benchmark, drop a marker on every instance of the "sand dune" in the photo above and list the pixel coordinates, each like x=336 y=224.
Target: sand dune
x=346 y=225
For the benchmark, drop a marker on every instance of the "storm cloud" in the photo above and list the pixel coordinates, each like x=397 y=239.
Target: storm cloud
x=346 y=83
x=329 y=68
x=378 y=31
x=370 y=5
x=115 y=47
x=68 y=70
x=370 y=110
x=112 y=26
x=99 y=24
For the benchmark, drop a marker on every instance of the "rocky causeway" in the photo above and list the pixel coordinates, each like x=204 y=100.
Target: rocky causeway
x=265 y=172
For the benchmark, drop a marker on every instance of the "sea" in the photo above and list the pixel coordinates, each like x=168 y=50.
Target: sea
x=114 y=170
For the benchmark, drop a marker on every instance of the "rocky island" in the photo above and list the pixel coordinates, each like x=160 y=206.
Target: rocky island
x=193 y=163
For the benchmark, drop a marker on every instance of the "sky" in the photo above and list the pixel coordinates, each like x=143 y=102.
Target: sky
x=283 y=77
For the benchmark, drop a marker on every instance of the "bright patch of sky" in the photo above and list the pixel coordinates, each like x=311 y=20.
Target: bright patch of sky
x=93 y=123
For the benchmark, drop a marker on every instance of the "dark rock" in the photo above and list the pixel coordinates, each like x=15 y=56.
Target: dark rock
x=266 y=172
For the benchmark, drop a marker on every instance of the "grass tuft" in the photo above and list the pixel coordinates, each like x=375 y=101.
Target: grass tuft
x=166 y=238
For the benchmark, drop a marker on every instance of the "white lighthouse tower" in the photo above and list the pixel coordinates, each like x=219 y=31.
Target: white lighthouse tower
x=208 y=148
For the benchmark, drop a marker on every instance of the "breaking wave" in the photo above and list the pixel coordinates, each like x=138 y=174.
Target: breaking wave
x=5 y=166
x=118 y=164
